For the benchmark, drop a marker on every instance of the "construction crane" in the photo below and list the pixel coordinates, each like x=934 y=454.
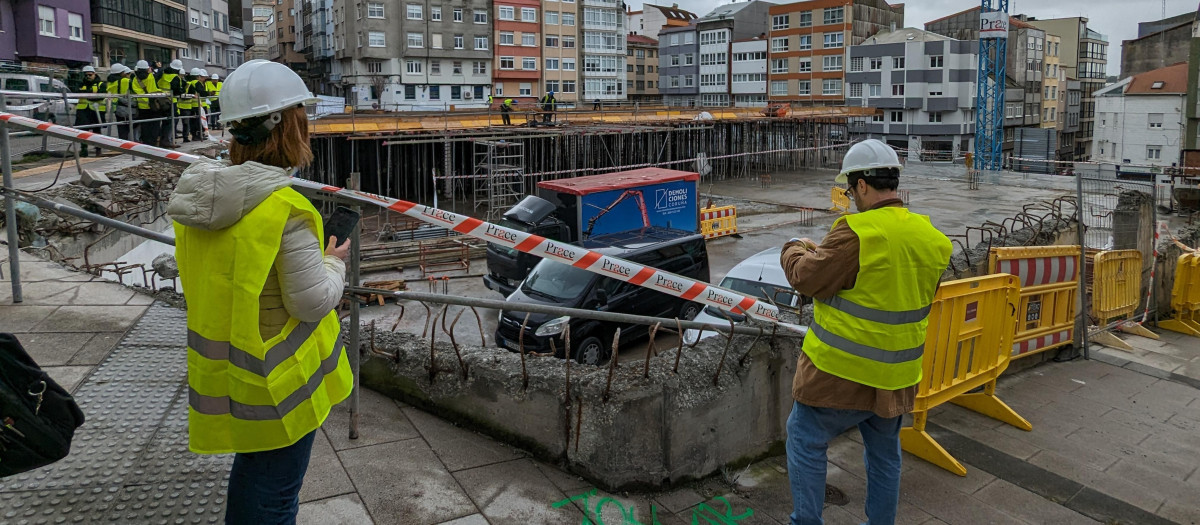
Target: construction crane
x=989 y=85
x=641 y=203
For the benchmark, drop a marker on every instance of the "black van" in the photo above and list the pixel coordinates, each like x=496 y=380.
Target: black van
x=557 y=284
x=507 y=266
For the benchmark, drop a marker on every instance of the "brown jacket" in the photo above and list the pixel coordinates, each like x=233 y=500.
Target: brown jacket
x=823 y=273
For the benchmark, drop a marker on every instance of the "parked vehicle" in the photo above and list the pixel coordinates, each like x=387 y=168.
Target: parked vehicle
x=52 y=108
x=557 y=284
x=575 y=209
x=761 y=276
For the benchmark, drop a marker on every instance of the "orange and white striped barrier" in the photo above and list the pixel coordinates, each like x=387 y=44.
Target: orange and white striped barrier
x=595 y=262
x=718 y=221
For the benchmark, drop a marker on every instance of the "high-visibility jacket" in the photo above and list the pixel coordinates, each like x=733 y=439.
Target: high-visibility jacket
x=164 y=84
x=189 y=90
x=246 y=394
x=874 y=333
x=141 y=87
x=120 y=86
x=207 y=88
x=214 y=91
x=91 y=103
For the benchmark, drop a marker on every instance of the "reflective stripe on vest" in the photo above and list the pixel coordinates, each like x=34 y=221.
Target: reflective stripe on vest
x=140 y=88
x=186 y=101
x=246 y=394
x=874 y=333
x=86 y=103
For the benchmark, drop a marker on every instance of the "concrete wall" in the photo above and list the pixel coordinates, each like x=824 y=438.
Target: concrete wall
x=649 y=432
x=1155 y=51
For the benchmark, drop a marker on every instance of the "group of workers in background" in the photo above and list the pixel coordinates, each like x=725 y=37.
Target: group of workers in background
x=154 y=118
x=548 y=105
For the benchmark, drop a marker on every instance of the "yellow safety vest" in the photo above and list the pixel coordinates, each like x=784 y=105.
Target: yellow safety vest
x=142 y=87
x=246 y=394
x=164 y=84
x=189 y=88
x=213 y=91
x=88 y=103
x=874 y=333
x=119 y=87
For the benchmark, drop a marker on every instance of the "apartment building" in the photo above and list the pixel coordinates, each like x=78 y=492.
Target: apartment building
x=748 y=72
x=808 y=41
x=1026 y=54
x=642 y=67
x=1084 y=56
x=925 y=85
x=716 y=32
x=516 y=69
x=208 y=38
x=403 y=56
x=262 y=14
x=560 y=50
x=679 y=68
x=47 y=34
x=315 y=41
x=1053 y=80
x=1139 y=120
x=603 y=34
x=126 y=31
x=652 y=18
x=281 y=40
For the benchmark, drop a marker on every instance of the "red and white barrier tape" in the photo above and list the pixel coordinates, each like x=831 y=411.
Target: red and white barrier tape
x=622 y=270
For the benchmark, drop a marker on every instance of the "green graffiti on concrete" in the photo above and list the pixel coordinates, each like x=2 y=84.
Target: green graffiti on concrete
x=703 y=514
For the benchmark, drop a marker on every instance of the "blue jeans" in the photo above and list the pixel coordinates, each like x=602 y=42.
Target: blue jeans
x=809 y=431
x=264 y=487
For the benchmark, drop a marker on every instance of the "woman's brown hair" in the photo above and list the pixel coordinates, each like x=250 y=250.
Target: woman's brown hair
x=287 y=145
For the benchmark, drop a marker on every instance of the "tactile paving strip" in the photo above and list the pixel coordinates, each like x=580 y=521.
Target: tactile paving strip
x=171 y=502
x=167 y=458
x=142 y=364
x=76 y=505
x=160 y=325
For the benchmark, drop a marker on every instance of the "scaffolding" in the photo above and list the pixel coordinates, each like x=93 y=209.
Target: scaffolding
x=499 y=177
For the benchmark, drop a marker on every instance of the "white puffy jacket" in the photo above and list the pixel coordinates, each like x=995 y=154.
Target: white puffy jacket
x=303 y=283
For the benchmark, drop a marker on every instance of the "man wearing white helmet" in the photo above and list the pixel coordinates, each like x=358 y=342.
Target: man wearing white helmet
x=87 y=111
x=189 y=106
x=213 y=87
x=262 y=288
x=872 y=280
x=119 y=83
x=206 y=94
x=169 y=81
x=148 y=109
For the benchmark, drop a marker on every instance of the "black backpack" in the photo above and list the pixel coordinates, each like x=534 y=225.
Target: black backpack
x=38 y=417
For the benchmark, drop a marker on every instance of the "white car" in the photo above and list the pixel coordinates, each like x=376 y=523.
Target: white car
x=760 y=276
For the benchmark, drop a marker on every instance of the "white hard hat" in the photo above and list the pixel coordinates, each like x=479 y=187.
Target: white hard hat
x=195 y=72
x=204 y=72
x=142 y=64
x=89 y=69
x=260 y=87
x=216 y=76
x=118 y=69
x=177 y=64
x=869 y=154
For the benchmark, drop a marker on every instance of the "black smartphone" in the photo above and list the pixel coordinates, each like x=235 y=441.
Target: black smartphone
x=341 y=224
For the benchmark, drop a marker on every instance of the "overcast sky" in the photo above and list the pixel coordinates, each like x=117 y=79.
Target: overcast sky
x=1116 y=19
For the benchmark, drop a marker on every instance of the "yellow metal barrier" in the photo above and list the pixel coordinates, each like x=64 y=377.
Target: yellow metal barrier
x=1049 y=277
x=1185 y=297
x=840 y=198
x=718 y=221
x=1116 y=284
x=966 y=347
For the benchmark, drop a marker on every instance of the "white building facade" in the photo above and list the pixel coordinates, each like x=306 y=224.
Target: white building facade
x=1140 y=120
x=714 y=66
x=748 y=72
x=603 y=32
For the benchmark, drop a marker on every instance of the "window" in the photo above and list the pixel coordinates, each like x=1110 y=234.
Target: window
x=689 y=80
x=568 y=86
x=506 y=38
x=498 y=90
x=204 y=19
x=458 y=15
x=568 y=42
x=674 y=60
x=529 y=14
x=526 y=89
x=935 y=117
x=876 y=63
x=508 y=62
x=568 y=19
x=458 y=41
x=375 y=10
x=551 y=40
x=435 y=67
x=435 y=13
x=874 y=90
x=415 y=40
x=435 y=41
x=714 y=37
x=779 y=87
x=551 y=85
x=568 y=64
x=897 y=116
x=529 y=63
x=456 y=67
x=552 y=17
x=689 y=59
x=856 y=64
x=877 y=118
x=435 y=92
x=805 y=65
x=804 y=87
x=374 y=66
x=831 y=86
x=935 y=90
x=260 y=26
x=833 y=40
x=689 y=38
x=528 y=39
x=897 y=90
x=641 y=53
x=552 y=64
x=806 y=19
x=479 y=67
x=779 y=22
x=1153 y=152
x=779 y=65
x=936 y=61
x=897 y=62
x=856 y=90
x=75 y=22
x=193 y=16
x=481 y=43
x=1155 y=120
x=410 y=92
x=415 y=12
x=413 y=67
x=831 y=63
x=779 y=44
x=481 y=17
x=805 y=42
x=506 y=12
x=834 y=15
x=262 y=12
x=455 y=92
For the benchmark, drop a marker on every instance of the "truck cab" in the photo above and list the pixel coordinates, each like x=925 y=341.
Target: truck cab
x=507 y=267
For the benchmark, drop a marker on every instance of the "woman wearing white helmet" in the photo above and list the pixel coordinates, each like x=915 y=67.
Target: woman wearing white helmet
x=119 y=83
x=265 y=358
